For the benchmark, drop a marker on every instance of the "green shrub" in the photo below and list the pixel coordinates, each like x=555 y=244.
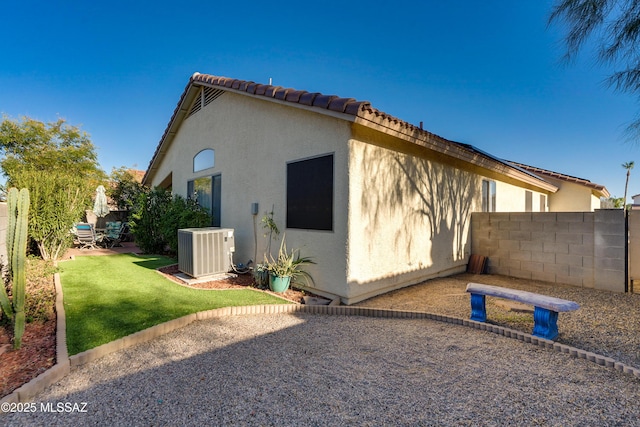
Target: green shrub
x=145 y=220
x=58 y=200
x=182 y=213
x=157 y=216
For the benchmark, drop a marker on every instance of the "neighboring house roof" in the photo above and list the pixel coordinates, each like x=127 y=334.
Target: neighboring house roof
x=359 y=112
x=600 y=190
x=138 y=175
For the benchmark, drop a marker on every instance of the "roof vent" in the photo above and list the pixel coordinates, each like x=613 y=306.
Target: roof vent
x=206 y=96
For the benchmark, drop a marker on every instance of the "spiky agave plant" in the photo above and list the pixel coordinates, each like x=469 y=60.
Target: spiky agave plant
x=289 y=264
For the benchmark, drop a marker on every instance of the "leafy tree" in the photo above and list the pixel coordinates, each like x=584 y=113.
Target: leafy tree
x=615 y=24
x=58 y=164
x=48 y=146
x=612 y=203
x=125 y=188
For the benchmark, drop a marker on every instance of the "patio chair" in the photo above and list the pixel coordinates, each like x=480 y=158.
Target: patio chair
x=86 y=236
x=114 y=233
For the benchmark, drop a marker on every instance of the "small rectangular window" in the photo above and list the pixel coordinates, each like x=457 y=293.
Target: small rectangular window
x=488 y=196
x=543 y=203
x=310 y=194
x=207 y=190
x=528 y=201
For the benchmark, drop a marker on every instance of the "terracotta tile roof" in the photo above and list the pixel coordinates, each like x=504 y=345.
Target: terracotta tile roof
x=312 y=99
x=562 y=177
x=361 y=111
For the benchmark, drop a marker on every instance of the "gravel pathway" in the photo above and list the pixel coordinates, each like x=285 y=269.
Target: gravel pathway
x=305 y=369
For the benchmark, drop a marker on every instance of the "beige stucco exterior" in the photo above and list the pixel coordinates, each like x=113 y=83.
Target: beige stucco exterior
x=510 y=198
x=572 y=197
x=573 y=194
x=409 y=216
x=402 y=199
x=253 y=141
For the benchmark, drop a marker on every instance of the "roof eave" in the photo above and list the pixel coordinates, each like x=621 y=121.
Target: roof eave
x=391 y=126
x=597 y=190
x=358 y=112
x=179 y=114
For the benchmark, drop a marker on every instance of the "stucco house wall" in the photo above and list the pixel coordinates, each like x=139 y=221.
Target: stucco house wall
x=511 y=198
x=402 y=197
x=573 y=195
x=404 y=224
x=409 y=215
x=574 y=198
x=253 y=141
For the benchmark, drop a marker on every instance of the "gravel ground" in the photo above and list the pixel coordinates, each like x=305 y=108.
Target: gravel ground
x=607 y=323
x=303 y=369
x=292 y=370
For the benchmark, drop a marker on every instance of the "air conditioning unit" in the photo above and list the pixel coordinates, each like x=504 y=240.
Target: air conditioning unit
x=205 y=251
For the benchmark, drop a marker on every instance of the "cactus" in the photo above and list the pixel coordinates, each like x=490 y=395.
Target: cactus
x=18 y=210
x=5 y=303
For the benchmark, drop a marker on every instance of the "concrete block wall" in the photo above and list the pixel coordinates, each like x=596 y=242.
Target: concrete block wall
x=634 y=249
x=577 y=248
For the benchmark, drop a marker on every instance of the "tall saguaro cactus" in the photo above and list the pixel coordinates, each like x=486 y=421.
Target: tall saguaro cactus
x=18 y=211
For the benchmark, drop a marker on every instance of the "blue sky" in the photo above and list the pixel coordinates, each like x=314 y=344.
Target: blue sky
x=485 y=73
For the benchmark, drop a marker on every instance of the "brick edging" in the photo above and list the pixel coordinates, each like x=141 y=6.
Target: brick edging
x=64 y=363
x=58 y=371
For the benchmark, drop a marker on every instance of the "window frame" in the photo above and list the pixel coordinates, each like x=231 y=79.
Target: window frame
x=316 y=212
x=215 y=209
x=200 y=157
x=488 y=195
x=543 y=203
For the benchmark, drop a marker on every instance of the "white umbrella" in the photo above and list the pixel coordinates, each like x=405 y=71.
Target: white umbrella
x=100 y=207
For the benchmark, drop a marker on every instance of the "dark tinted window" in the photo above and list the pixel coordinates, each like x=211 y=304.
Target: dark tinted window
x=310 y=194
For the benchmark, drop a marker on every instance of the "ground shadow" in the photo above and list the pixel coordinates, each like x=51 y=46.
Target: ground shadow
x=304 y=369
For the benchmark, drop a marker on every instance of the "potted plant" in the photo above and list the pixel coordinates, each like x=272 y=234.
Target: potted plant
x=261 y=271
x=287 y=268
x=261 y=275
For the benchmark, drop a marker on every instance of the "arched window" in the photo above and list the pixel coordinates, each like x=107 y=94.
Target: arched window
x=204 y=160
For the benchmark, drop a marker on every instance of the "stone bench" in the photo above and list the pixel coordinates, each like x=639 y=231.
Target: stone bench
x=545 y=314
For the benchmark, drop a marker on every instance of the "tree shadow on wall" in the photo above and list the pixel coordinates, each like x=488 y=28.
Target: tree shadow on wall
x=422 y=192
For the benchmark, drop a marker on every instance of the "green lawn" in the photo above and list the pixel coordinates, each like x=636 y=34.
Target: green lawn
x=109 y=297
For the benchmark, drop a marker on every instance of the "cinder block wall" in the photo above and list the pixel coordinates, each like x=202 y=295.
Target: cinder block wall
x=576 y=248
x=634 y=249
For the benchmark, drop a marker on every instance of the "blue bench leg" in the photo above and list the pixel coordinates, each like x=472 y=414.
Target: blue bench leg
x=545 y=323
x=478 y=310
